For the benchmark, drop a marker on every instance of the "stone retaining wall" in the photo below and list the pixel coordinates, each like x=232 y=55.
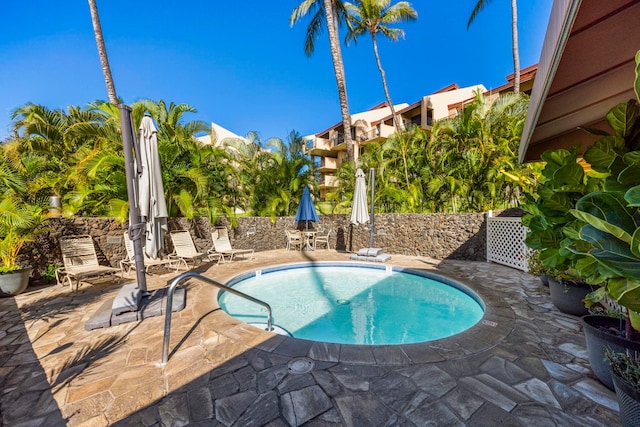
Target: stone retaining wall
x=439 y=236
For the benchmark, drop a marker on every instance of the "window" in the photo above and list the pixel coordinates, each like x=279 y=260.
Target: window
x=429 y=117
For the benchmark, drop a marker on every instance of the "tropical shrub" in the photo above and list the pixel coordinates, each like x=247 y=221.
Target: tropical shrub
x=465 y=164
x=553 y=231
x=21 y=217
x=611 y=216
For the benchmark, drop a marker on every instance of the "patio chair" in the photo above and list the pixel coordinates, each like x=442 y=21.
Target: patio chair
x=80 y=261
x=129 y=262
x=322 y=238
x=185 y=250
x=222 y=245
x=294 y=239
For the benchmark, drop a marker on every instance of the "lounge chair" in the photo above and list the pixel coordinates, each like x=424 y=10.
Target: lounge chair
x=129 y=262
x=294 y=239
x=222 y=245
x=322 y=238
x=185 y=250
x=80 y=261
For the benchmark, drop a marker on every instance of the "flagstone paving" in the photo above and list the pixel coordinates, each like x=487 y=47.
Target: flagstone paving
x=524 y=365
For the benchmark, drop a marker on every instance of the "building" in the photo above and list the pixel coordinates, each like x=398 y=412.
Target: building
x=527 y=78
x=221 y=134
x=328 y=149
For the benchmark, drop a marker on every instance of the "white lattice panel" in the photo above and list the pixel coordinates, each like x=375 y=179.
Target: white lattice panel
x=505 y=242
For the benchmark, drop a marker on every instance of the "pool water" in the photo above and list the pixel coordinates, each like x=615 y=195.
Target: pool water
x=355 y=305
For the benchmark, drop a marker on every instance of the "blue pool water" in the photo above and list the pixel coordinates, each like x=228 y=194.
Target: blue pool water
x=351 y=304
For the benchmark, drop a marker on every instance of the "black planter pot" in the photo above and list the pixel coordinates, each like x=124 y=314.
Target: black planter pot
x=14 y=282
x=544 y=279
x=628 y=400
x=598 y=339
x=568 y=298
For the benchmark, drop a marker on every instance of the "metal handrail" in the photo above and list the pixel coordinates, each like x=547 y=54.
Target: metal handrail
x=183 y=277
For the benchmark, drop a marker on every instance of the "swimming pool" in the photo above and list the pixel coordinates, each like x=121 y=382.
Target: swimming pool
x=354 y=303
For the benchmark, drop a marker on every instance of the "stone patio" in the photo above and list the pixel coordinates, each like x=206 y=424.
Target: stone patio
x=525 y=364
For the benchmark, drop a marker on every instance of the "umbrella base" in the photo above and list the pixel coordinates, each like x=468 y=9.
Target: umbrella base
x=154 y=305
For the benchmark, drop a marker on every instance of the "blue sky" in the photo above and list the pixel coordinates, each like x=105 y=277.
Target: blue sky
x=241 y=65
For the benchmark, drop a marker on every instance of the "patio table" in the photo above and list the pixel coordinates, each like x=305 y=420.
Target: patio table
x=309 y=239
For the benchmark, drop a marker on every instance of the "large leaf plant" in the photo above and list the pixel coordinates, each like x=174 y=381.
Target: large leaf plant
x=612 y=216
x=553 y=231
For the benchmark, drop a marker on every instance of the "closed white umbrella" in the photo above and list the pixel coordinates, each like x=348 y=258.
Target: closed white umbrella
x=359 y=212
x=153 y=207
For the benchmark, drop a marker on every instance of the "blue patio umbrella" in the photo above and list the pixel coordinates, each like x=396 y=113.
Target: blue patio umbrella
x=306 y=210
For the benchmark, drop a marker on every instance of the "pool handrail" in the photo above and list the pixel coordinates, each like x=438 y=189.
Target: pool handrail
x=192 y=274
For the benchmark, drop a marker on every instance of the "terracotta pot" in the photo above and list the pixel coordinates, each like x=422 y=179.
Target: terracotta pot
x=568 y=296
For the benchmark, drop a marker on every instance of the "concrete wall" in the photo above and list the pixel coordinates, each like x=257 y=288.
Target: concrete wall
x=439 y=236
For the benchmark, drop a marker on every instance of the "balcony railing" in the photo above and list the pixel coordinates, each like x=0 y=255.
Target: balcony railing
x=370 y=134
x=318 y=143
x=337 y=139
x=328 y=163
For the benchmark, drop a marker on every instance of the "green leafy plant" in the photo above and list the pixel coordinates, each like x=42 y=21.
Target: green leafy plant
x=611 y=216
x=50 y=273
x=19 y=223
x=552 y=228
x=21 y=219
x=537 y=268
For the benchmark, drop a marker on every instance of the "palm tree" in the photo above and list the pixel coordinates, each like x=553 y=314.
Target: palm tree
x=74 y=154
x=374 y=17
x=473 y=156
x=332 y=13
x=102 y=52
x=514 y=37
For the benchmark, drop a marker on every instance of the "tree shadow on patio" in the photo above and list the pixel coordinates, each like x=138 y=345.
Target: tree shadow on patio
x=83 y=359
x=60 y=304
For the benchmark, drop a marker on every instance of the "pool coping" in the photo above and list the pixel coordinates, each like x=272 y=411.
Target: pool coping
x=495 y=325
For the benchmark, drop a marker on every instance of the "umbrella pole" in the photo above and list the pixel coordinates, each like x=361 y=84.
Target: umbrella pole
x=372 y=183
x=136 y=227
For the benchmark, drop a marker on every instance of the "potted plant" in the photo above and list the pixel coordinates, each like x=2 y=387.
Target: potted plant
x=625 y=371
x=611 y=228
x=553 y=230
x=536 y=268
x=20 y=222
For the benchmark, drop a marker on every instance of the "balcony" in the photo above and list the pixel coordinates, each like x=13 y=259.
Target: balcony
x=328 y=181
x=372 y=135
x=321 y=147
x=338 y=142
x=328 y=164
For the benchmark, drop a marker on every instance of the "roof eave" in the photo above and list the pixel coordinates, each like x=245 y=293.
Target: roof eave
x=563 y=14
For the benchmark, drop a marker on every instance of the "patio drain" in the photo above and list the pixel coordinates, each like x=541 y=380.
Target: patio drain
x=300 y=365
